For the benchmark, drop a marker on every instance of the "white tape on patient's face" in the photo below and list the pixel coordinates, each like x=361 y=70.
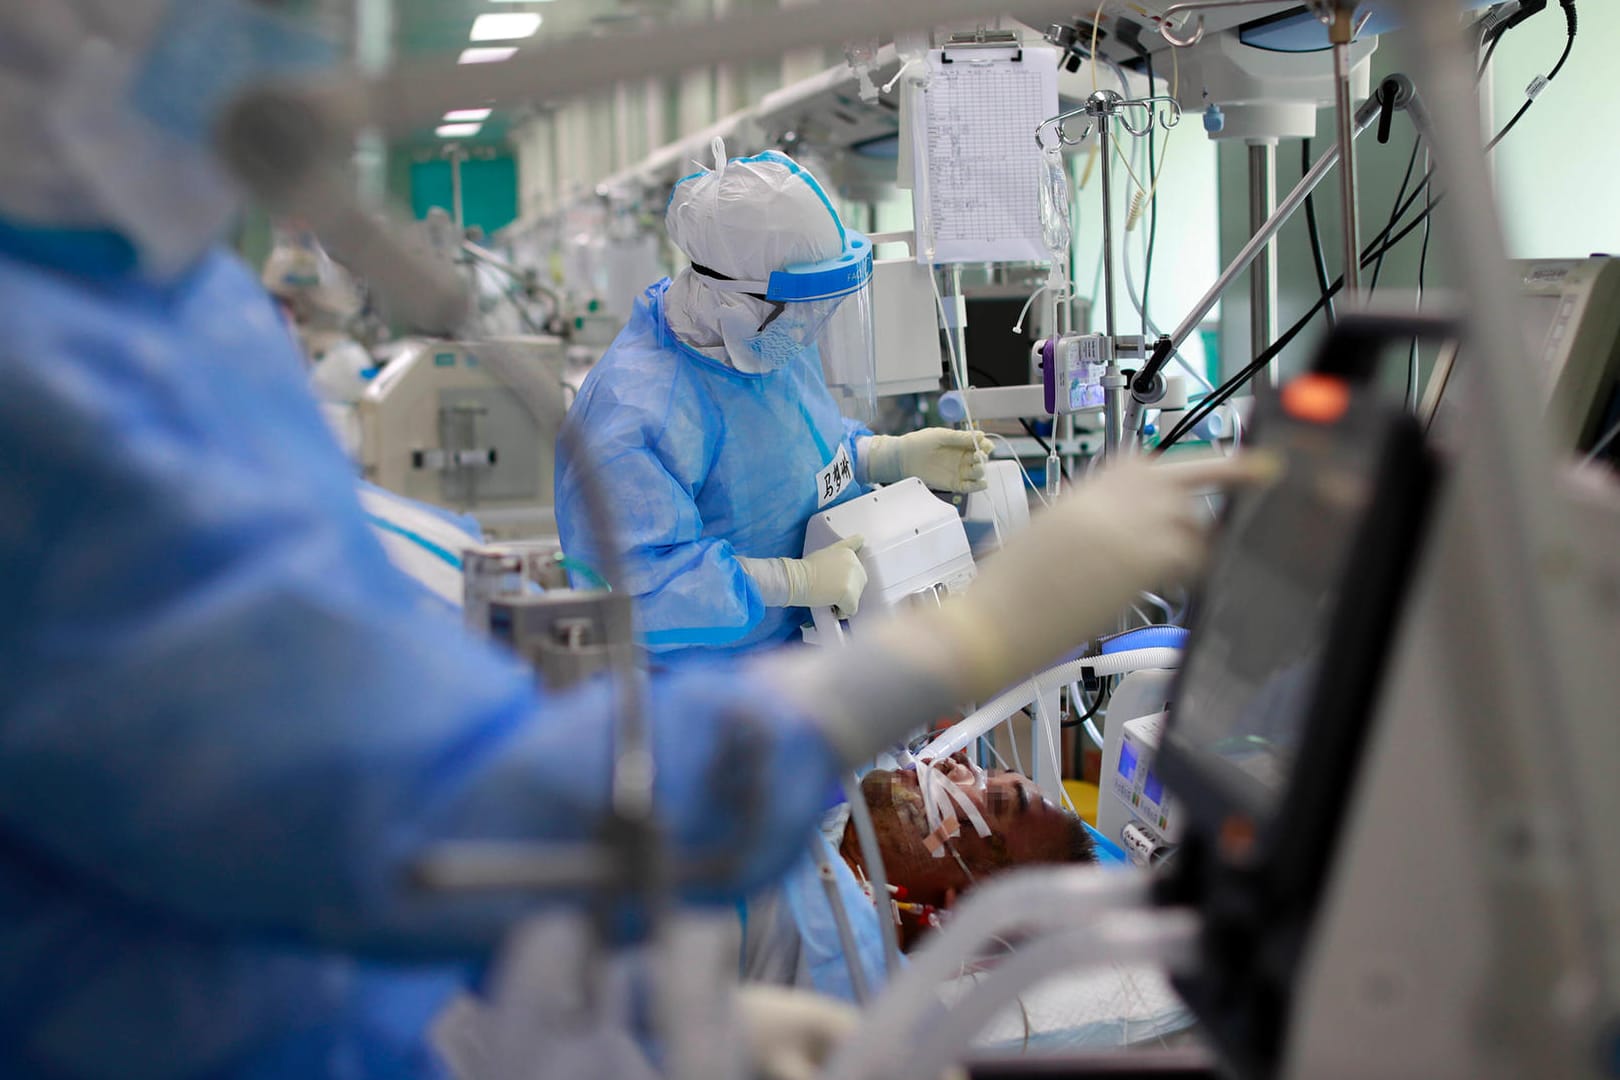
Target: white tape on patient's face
x=969 y=811
x=939 y=792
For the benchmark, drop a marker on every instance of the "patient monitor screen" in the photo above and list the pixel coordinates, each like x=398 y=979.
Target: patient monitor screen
x=1261 y=626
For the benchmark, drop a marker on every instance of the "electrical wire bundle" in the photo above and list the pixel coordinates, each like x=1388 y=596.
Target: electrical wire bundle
x=1373 y=254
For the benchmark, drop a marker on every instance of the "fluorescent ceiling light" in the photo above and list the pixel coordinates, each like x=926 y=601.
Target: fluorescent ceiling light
x=456 y=131
x=487 y=56
x=462 y=115
x=505 y=26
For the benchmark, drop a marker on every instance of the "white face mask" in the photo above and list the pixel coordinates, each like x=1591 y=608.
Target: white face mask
x=127 y=119
x=761 y=336
x=759 y=350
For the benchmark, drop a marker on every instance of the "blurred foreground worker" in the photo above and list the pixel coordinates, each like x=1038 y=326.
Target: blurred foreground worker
x=712 y=418
x=230 y=726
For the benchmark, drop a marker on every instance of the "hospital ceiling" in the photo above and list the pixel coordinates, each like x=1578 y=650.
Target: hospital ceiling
x=440 y=28
x=425 y=28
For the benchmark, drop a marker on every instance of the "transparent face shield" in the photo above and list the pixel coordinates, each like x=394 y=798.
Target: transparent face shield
x=826 y=306
x=848 y=351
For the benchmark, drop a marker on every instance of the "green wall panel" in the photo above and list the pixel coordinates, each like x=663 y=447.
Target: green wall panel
x=489 y=190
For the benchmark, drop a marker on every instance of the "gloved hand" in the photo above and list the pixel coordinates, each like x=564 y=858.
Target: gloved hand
x=942 y=458
x=831 y=577
x=1136 y=525
x=791 y=1034
x=1063 y=580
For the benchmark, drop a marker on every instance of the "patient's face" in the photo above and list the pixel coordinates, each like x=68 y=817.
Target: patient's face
x=1025 y=828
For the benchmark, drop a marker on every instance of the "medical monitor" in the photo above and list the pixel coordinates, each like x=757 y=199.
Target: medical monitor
x=1273 y=701
x=1571 y=310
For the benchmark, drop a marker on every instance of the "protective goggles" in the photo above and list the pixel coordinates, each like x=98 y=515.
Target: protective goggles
x=828 y=279
x=828 y=307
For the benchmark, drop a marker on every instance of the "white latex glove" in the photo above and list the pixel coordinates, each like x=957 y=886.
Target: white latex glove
x=942 y=458
x=1136 y=525
x=1062 y=580
x=791 y=1034
x=832 y=577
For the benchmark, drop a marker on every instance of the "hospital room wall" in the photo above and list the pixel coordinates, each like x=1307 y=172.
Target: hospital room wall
x=1556 y=177
x=1380 y=169
x=1186 y=253
x=1558 y=170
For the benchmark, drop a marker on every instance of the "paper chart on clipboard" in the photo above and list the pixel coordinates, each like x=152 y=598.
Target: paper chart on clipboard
x=979 y=169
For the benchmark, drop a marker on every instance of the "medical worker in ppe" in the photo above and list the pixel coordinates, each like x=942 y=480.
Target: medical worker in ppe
x=230 y=726
x=713 y=419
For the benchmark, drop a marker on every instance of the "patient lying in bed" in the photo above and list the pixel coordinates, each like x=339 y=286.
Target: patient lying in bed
x=939 y=835
x=936 y=846
x=932 y=866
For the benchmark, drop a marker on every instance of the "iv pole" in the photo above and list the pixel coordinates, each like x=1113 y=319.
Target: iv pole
x=1102 y=110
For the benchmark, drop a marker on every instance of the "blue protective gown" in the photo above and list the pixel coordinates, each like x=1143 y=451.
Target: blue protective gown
x=228 y=724
x=704 y=463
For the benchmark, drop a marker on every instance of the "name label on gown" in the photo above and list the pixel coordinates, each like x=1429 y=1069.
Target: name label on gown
x=831 y=481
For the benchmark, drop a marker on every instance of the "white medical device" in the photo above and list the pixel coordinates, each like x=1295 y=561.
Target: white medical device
x=993 y=515
x=908 y=362
x=1265 y=92
x=1572 y=336
x=444 y=423
x=915 y=551
x=1133 y=809
x=1141 y=817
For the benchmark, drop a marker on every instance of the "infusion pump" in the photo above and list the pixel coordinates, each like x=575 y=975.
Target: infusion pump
x=1133 y=810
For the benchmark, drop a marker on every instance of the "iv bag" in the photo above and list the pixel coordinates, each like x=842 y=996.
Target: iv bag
x=1055 y=228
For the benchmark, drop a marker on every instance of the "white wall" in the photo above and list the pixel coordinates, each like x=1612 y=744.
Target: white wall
x=1559 y=171
x=1380 y=170
x=1187 y=250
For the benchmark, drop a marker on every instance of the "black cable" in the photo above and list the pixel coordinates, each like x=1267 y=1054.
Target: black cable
x=1221 y=394
x=1318 y=257
x=989 y=379
x=1376 y=249
x=1226 y=390
x=1104 y=692
x=1214 y=400
x=1029 y=428
x=1496 y=39
x=1396 y=211
x=1511 y=124
x=1411 y=227
x=1569 y=47
x=1426 y=184
x=1572 y=25
x=1423 y=269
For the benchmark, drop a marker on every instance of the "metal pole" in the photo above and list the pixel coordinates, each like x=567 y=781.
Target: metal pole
x=1263 y=275
x=1343 y=33
x=1104 y=118
x=1113 y=383
x=455 y=190
x=1290 y=205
